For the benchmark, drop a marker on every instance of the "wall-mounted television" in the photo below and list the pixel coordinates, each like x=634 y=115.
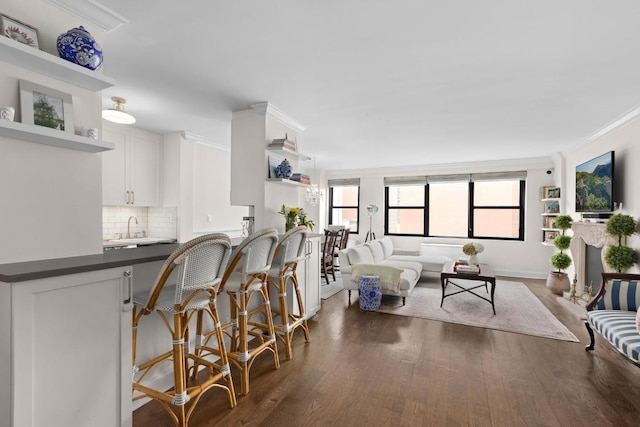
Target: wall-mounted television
x=594 y=184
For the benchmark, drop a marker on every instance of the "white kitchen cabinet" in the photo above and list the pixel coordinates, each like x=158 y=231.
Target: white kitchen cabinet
x=131 y=172
x=309 y=273
x=70 y=358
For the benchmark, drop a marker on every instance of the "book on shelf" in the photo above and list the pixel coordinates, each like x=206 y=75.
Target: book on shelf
x=284 y=143
x=301 y=178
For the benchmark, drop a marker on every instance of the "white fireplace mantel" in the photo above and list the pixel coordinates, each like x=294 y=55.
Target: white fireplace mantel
x=592 y=234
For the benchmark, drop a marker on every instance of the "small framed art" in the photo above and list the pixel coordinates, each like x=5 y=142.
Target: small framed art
x=19 y=31
x=43 y=106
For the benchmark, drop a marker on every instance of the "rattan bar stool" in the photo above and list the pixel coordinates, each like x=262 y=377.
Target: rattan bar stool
x=289 y=253
x=246 y=276
x=187 y=284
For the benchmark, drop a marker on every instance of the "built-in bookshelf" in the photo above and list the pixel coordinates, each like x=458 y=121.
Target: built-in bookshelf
x=550 y=198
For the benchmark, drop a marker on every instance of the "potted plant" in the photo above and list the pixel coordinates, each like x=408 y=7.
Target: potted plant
x=558 y=281
x=621 y=257
x=295 y=216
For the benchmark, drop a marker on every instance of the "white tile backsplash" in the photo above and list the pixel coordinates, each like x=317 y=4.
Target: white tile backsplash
x=154 y=222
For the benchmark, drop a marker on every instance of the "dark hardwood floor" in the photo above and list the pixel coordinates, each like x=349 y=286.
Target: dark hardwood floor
x=363 y=368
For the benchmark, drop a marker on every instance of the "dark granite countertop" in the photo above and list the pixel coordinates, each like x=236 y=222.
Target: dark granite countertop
x=31 y=270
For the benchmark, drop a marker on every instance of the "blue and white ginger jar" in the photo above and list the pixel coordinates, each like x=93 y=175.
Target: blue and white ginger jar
x=78 y=46
x=284 y=169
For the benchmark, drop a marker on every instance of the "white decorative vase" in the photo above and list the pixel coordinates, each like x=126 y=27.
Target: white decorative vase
x=558 y=283
x=473 y=260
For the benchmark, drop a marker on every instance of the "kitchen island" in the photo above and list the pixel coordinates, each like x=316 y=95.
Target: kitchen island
x=68 y=325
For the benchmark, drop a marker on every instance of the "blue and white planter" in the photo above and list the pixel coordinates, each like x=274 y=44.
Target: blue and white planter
x=369 y=293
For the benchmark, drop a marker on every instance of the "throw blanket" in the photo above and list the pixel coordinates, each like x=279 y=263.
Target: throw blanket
x=389 y=275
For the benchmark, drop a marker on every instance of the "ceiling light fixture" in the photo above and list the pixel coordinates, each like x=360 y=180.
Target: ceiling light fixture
x=313 y=193
x=117 y=113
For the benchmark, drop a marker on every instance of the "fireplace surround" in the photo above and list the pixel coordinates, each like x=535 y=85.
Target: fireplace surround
x=588 y=234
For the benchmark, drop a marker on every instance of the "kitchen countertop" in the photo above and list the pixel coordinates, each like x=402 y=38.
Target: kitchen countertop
x=40 y=269
x=31 y=270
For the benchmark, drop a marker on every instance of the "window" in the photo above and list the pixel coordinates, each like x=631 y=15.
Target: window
x=489 y=206
x=344 y=203
x=405 y=206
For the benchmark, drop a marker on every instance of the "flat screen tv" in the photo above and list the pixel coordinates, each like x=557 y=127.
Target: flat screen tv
x=594 y=184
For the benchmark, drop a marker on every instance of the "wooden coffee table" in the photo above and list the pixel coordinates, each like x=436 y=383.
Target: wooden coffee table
x=485 y=276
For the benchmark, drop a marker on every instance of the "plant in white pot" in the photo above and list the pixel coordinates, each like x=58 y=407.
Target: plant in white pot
x=558 y=281
x=621 y=257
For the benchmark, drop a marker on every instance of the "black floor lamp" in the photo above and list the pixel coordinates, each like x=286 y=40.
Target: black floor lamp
x=371 y=209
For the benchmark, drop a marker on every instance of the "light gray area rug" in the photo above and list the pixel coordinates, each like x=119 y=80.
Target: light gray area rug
x=517 y=309
x=332 y=288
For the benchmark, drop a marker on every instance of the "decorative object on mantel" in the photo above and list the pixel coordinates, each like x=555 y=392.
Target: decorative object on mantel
x=473 y=249
x=43 y=106
x=18 y=31
x=7 y=113
x=78 y=46
x=558 y=281
x=621 y=257
x=284 y=169
x=116 y=114
x=295 y=216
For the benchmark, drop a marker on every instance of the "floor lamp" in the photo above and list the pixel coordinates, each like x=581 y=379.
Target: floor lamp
x=371 y=209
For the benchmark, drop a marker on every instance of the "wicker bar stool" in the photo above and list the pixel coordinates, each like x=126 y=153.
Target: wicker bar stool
x=246 y=276
x=198 y=267
x=290 y=251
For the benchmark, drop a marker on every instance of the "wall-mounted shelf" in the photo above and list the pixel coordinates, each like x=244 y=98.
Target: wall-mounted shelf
x=289 y=153
x=53 y=137
x=285 y=181
x=31 y=58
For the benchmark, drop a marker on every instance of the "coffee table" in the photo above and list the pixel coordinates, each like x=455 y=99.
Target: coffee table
x=485 y=276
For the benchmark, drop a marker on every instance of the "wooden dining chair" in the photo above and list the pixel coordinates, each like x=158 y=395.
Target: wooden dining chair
x=187 y=285
x=341 y=243
x=290 y=252
x=328 y=248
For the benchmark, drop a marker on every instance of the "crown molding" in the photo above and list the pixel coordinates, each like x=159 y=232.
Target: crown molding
x=508 y=164
x=92 y=11
x=267 y=109
x=616 y=124
x=197 y=139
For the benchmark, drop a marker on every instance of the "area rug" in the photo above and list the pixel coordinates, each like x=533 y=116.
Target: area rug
x=331 y=289
x=517 y=309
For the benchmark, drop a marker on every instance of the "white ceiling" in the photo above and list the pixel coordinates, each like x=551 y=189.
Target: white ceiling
x=383 y=83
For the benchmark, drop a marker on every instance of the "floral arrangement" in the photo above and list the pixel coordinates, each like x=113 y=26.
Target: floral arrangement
x=295 y=216
x=472 y=248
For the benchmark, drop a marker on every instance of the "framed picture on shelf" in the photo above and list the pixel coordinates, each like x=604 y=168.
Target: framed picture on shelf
x=19 y=31
x=548 y=236
x=273 y=164
x=43 y=106
x=553 y=193
x=553 y=208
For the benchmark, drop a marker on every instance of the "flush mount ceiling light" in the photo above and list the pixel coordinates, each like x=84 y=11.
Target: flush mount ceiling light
x=117 y=113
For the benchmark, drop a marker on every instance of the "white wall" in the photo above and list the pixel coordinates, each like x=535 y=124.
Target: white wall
x=528 y=258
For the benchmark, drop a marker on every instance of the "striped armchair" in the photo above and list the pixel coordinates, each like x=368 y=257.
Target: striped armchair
x=612 y=314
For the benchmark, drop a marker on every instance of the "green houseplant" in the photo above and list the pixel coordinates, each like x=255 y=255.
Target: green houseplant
x=621 y=257
x=558 y=280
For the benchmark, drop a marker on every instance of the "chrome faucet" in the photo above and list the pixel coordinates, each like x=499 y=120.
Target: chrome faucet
x=129 y=226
